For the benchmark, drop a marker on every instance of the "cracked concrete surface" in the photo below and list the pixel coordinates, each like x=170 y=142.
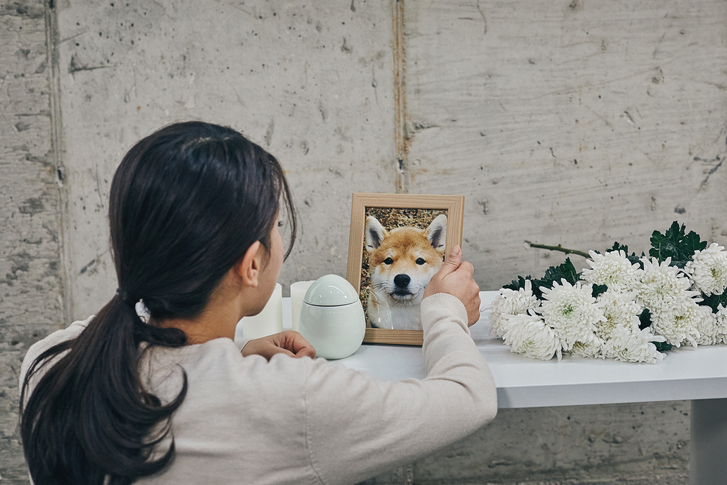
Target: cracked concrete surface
x=30 y=266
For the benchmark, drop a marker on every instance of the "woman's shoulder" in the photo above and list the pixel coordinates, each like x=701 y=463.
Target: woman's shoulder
x=70 y=332
x=55 y=338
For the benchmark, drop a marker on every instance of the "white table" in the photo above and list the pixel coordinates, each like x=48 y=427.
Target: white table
x=699 y=376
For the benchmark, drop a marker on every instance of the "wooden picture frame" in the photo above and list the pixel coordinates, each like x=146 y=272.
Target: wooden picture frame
x=412 y=211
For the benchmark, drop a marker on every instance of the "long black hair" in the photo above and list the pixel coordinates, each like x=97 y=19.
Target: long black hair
x=186 y=203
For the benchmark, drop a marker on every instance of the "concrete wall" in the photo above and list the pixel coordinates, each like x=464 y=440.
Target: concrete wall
x=570 y=122
x=310 y=82
x=30 y=265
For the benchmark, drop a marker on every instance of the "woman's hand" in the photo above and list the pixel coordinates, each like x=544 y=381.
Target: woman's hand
x=289 y=343
x=455 y=278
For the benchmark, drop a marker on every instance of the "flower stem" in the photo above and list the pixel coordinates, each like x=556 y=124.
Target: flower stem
x=558 y=248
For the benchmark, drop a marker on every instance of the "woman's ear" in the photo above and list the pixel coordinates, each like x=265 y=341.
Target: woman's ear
x=248 y=268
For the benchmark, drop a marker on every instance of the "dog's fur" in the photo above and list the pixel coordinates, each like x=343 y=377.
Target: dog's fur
x=401 y=263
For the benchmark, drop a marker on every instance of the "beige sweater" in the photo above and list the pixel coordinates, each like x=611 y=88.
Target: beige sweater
x=303 y=421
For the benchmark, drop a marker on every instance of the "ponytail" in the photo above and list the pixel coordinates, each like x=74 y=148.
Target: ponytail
x=185 y=205
x=89 y=415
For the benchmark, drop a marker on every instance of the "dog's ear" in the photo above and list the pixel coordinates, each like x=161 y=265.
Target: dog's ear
x=437 y=232
x=375 y=233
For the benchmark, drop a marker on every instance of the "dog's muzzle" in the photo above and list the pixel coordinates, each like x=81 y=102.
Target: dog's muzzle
x=402 y=280
x=401 y=290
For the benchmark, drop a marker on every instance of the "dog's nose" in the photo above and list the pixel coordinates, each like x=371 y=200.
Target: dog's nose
x=402 y=280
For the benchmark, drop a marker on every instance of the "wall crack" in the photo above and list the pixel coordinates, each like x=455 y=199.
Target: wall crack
x=402 y=142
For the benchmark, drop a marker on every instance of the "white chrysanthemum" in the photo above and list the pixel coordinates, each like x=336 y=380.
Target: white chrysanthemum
x=708 y=270
x=678 y=324
x=612 y=269
x=707 y=326
x=721 y=321
x=590 y=350
x=662 y=286
x=620 y=310
x=528 y=334
x=633 y=345
x=571 y=311
x=511 y=302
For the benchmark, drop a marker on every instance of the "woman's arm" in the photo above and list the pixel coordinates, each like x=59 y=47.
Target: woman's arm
x=358 y=426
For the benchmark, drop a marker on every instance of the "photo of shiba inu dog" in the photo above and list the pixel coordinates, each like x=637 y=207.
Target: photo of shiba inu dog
x=401 y=263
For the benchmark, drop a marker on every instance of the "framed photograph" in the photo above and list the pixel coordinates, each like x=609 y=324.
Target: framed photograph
x=397 y=243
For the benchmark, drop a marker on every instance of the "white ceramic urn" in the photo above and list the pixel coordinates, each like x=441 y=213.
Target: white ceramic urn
x=332 y=318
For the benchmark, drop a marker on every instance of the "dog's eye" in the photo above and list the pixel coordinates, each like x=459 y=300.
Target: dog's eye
x=388 y=261
x=420 y=261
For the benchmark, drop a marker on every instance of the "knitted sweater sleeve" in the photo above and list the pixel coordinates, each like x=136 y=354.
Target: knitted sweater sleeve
x=376 y=425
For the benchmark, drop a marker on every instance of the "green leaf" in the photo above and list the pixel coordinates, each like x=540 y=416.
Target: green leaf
x=714 y=301
x=599 y=289
x=675 y=244
x=552 y=274
x=518 y=283
x=662 y=346
x=645 y=319
x=556 y=273
x=633 y=259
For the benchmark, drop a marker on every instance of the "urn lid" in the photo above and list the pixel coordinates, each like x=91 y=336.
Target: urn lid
x=330 y=290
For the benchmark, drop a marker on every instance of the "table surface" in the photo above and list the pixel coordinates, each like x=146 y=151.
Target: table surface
x=684 y=374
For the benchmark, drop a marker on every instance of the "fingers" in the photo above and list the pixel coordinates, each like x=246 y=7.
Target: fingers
x=306 y=352
x=302 y=347
x=289 y=343
x=278 y=350
x=453 y=261
x=295 y=342
x=473 y=310
x=452 y=276
x=467 y=267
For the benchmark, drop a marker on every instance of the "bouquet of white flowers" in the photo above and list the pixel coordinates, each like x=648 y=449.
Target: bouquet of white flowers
x=625 y=307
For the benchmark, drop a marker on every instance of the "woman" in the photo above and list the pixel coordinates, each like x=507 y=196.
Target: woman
x=194 y=231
